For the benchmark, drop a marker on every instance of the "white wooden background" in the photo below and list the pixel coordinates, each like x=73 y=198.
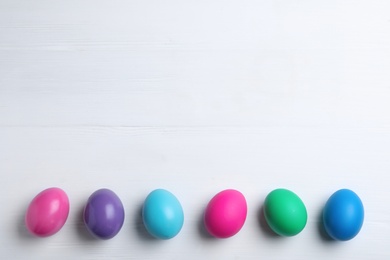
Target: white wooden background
x=195 y=97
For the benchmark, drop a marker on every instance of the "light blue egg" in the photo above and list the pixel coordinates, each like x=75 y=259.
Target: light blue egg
x=162 y=214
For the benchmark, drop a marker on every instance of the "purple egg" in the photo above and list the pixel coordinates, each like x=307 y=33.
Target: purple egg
x=104 y=214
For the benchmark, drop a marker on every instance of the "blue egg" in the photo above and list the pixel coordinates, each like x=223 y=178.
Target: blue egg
x=162 y=214
x=343 y=215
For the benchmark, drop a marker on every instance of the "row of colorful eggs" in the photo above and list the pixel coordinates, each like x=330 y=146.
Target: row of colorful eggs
x=224 y=216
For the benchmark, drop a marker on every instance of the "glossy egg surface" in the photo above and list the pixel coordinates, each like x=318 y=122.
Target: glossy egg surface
x=285 y=212
x=162 y=214
x=225 y=214
x=104 y=214
x=47 y=212
x=343 y=215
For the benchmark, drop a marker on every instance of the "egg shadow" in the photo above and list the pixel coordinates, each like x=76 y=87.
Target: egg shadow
x=323 y=235
x=81 y=229
x=140 y=228
x=264 y=225
x=21 y=228
x=202 y=231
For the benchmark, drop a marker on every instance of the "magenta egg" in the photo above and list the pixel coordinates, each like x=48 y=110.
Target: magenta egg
x=225 y=214
x=47 y=212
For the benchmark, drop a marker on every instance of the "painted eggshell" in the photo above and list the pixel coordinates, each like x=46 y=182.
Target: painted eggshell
x=162 y=214
x=285 y=212
x=47 y=212
x=343 y=215
x=104 y=214
x=225 y=214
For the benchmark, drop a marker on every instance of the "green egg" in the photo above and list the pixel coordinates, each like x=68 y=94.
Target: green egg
x=285 y=212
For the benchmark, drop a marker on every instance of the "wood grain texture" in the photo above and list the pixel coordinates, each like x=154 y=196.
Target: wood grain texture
x=194 y=97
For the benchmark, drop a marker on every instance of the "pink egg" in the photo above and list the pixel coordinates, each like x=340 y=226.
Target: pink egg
x=225 y=214
x=47 y=212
